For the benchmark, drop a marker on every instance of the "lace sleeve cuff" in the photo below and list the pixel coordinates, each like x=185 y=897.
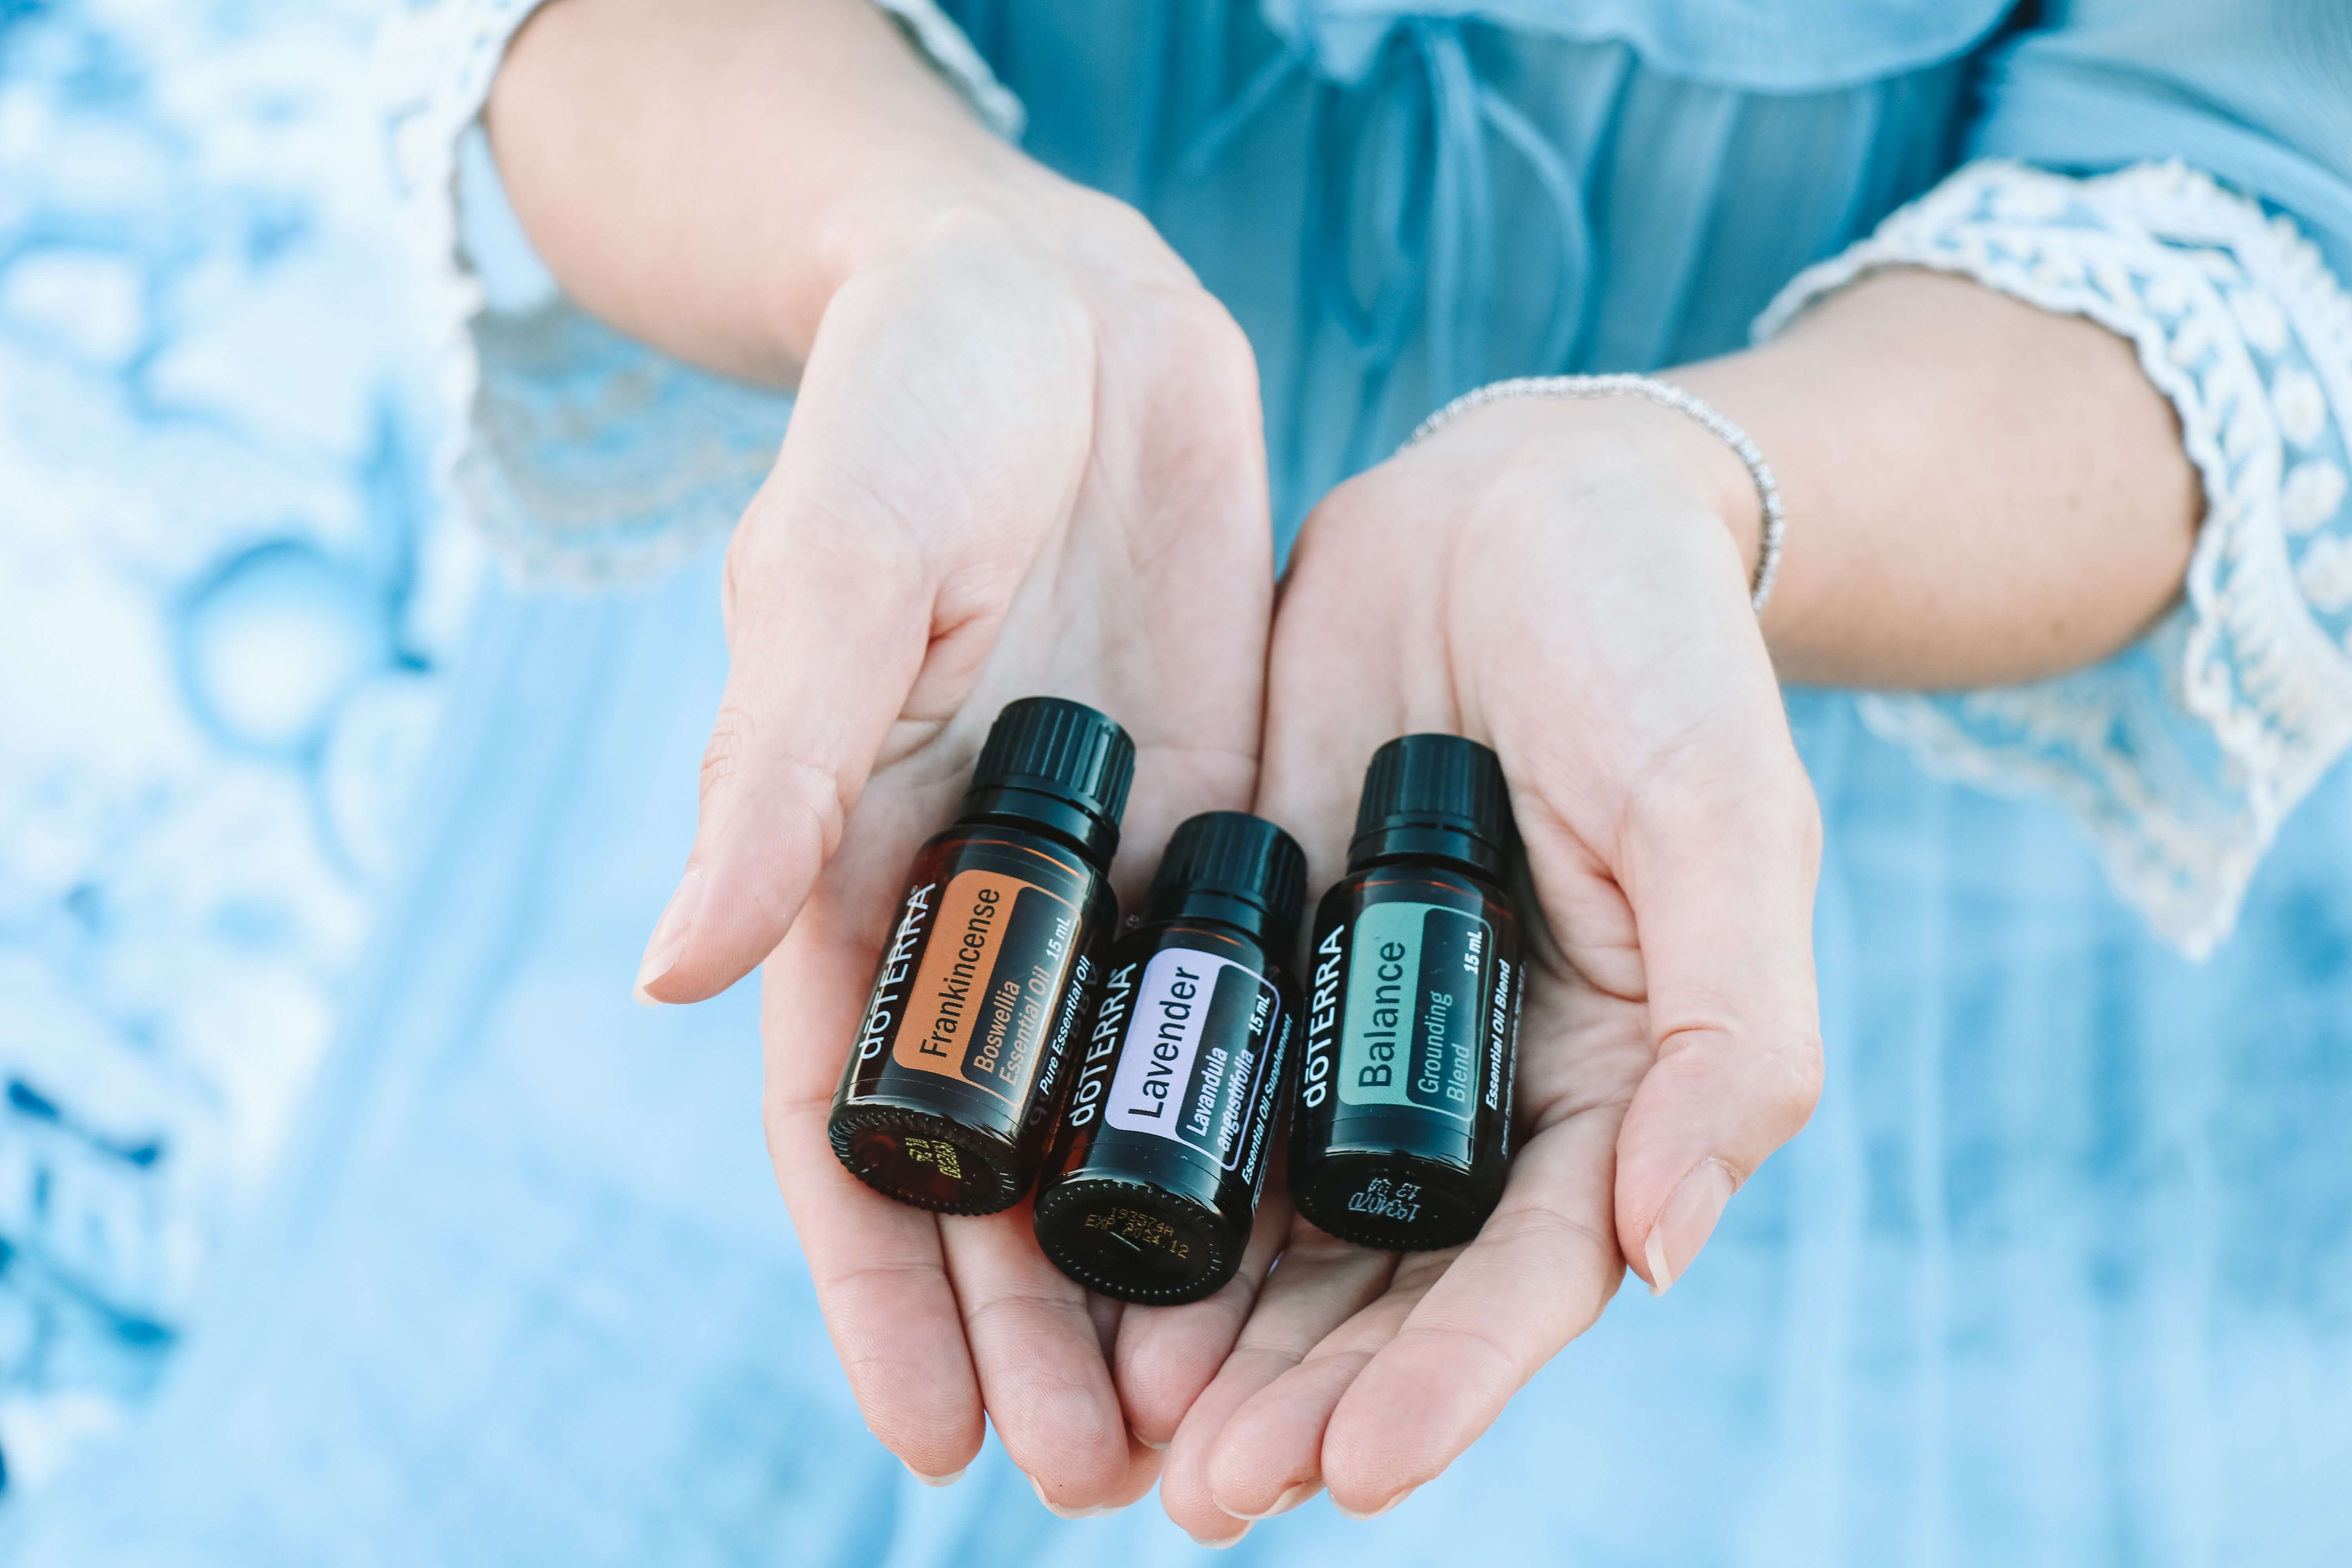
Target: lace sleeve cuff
x=2181 y=754
x=584 y=457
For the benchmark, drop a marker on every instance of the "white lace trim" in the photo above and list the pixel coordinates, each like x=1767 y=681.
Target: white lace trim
x=540 y=456
x=2182 y=755
x=436 y=62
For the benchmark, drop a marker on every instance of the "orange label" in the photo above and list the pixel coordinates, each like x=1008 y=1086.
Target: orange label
x=990 y=983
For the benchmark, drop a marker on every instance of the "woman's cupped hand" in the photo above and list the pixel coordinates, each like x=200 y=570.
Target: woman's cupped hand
x=1026 y=458
x=1560 y=581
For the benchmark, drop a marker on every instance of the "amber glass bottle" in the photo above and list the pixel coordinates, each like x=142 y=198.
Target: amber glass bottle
x=1401 y=1134
x=989 y=974
x=1154 y=1173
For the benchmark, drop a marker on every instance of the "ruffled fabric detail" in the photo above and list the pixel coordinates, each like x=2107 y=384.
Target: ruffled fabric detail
x=587 y=458
x=2180 y=755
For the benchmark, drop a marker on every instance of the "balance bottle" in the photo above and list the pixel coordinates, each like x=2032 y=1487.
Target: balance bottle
x=1401 y=1130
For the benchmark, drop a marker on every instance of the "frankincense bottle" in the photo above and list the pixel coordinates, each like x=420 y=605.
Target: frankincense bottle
x=1153 y=1176
x=988 y=978
x=1401 y=1134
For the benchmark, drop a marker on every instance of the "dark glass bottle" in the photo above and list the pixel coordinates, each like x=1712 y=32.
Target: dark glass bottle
x=948 y=1094
x=1154 y=1172
x=1403 y=1129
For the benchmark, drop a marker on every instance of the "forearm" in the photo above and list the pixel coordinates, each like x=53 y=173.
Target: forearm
x=703 y=174
x=1978 y=492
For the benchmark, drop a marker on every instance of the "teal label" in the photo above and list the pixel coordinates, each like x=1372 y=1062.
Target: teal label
x=1414 y=1026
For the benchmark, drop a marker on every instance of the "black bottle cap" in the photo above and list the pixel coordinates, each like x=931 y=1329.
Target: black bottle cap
x=1056 y=762
x=1434 y=795
x=1236 y=868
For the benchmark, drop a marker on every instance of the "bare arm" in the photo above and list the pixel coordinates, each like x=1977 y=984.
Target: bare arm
x=705 y=174
x=1981 y=491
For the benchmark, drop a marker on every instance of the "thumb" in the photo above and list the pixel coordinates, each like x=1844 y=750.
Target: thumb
x=828 y=602
x=1721 y=885
x=932 y=418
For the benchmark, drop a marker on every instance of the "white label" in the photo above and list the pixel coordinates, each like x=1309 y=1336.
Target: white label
x=1195 y=1050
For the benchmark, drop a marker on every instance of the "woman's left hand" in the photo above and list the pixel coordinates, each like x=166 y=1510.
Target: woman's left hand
x=1558 y=581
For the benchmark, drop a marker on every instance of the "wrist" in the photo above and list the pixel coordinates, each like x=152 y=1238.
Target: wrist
x=1624 y=456
x=896 y=204
x=997 y=193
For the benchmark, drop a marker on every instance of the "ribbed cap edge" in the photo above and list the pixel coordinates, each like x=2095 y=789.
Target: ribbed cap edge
x=1436 y=781
x=1240 y=856
x=1060 y=748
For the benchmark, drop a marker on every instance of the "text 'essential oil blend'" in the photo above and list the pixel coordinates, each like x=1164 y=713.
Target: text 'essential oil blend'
x=947 y=1097
x=1154 y=1173
x=1401 y=1134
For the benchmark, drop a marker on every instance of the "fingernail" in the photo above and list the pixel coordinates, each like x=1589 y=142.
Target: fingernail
x=1059 y=1511
x=1219 y=1545
x=670 y=932
x=1348 y=1512
x=1688 y=1220
x=951 y=1479
x=1291 y=1499
x=1159 y=1447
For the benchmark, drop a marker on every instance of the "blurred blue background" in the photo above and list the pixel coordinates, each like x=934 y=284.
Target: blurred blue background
x=2061 y=1271
x=226 y=590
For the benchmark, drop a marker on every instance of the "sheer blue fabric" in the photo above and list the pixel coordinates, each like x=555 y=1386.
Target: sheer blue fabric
x=1343 y=185
x=2059 y=1275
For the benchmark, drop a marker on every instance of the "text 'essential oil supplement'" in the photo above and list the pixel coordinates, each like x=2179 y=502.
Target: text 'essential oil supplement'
x=988 y=974
x=1401 y=1134
x=1154 y=1173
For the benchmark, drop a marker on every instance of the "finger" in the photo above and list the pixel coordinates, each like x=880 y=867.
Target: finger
x=880 y=1276
x=1321 y=1284
x=829 y=616
x=1719 y=874
x=1271 y=1449
x=901 y=513
x=1144 y=1464
x=1166 y=1355
x=1184 y=1489
x=1040 y=1361
x=1686 y=790
x=1106 y=1315
x=1540 y=1273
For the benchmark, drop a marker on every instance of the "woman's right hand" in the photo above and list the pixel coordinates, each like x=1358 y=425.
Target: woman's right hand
x=1026 y=458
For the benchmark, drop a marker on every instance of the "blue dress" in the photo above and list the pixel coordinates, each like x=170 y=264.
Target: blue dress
x=2062 y=1271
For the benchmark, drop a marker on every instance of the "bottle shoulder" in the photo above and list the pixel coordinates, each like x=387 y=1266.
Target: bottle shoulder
x=1415 y=883
x=1041 y=858
x=1142 y=943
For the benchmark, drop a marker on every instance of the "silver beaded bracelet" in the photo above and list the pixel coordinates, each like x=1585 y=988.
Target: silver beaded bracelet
x=1665 y=392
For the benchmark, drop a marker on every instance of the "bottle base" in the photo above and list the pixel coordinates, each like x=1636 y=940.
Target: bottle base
x=924 y=1158
x=1391 y=1201
x=1135 y=1243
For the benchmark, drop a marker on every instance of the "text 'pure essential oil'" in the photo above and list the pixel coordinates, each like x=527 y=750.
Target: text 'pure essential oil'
x=1153 y=1176
x=1401 y=1134
x=987 y=980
